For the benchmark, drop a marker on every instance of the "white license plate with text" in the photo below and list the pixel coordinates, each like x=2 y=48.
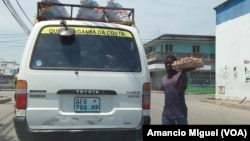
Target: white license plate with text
x=83 y=104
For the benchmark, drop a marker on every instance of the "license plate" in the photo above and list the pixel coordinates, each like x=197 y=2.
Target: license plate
x=83 y=104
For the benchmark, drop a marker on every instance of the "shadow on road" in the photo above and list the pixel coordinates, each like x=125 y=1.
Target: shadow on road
x=6 y=138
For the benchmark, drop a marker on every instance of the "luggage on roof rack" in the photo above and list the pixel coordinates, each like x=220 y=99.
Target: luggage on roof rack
x=45 y=12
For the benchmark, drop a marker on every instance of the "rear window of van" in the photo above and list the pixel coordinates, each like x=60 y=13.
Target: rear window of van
x=98 y=49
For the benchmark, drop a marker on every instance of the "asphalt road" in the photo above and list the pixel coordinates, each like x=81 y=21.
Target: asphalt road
x=203 y=113
x=199 y=113
x=7 y=131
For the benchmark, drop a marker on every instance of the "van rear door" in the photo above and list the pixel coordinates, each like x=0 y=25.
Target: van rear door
x=94 y=82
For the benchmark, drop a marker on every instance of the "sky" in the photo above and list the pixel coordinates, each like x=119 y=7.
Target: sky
x=153 y=18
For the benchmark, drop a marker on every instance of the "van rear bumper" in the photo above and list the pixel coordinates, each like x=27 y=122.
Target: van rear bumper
x=22 y=130
x=146 y=120
x=25 y=134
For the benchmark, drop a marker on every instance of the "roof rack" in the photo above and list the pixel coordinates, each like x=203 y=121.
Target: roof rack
x=41 y=6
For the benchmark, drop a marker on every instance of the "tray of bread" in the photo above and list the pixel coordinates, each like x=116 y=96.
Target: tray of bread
x=187 y=63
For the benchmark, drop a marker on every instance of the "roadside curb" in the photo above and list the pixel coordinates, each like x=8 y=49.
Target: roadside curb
x=228 y=103
x=157 y=92
x=7 y=89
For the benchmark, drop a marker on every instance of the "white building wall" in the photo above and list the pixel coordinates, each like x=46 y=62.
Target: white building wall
x=233 y=59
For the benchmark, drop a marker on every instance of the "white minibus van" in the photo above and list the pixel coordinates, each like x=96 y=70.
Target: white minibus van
x=82 y=80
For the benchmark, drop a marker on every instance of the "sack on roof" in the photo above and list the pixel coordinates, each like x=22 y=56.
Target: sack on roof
x=90 y=13
x=49 y=10
x=116 y=15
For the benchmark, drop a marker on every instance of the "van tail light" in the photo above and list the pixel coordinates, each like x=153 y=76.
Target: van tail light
x=146 y=96
x=21 y=94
